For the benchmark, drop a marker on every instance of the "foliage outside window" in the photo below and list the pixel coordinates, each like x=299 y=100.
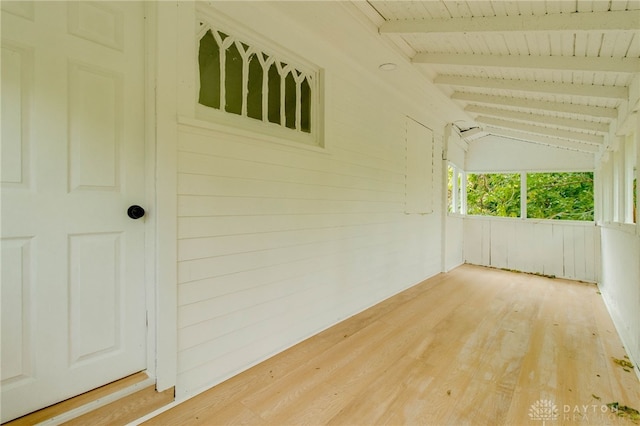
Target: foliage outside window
x=562 y=196
x=239 y=78
x=493 y=194
x=559 y=196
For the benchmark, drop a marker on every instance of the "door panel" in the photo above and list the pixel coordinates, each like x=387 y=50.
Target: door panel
x=73 y=300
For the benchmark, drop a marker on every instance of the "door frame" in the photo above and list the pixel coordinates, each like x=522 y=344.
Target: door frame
x=161 y=133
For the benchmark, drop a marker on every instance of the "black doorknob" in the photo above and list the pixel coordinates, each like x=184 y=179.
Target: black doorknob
x=135 y=212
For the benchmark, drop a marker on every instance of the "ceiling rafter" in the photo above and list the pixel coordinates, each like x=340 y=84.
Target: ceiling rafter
x=586 y=138
x=565 y=63
x=592 y=21
x=544 y=140
x=592 y=111
x=610 y=92
x=538 y=118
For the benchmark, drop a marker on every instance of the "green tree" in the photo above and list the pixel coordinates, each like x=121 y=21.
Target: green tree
x=493 y=194
x=564 y=196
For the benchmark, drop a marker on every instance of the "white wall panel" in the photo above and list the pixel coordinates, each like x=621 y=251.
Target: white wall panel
x=16 y=83
x=277 y=242
x=455 y=242
x=95 y=127
x=94 y=295
x=455 y=151
x=419 y=168
x=498 y=154
x=17 y=310
x=562 y=249
x=620 y=285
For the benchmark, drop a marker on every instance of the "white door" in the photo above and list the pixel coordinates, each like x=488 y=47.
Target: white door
x=73 y=293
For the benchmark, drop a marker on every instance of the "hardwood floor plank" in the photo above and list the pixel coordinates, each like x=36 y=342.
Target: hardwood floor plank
x=78 y=401
x=126 y=409
x=473 y=346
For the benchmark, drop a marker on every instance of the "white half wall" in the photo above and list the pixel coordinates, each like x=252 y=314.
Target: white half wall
x=499 y=154
x=562 y=249
x=620 y=285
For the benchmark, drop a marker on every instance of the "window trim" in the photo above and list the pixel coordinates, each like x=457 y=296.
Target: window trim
x=216 y=21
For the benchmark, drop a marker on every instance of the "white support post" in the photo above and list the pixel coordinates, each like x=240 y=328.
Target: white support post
x=637 y=174
x=597 y=193
x=630 y=163
x=463 y=192
x=455 y=192
x=523 y=195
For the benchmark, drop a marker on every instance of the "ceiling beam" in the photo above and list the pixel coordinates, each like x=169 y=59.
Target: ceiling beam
x=546 y=131
x=573 y=63
x=539 y=118
x=626 y=20
x=544 y=140
x=609 y=92
x=592 y=111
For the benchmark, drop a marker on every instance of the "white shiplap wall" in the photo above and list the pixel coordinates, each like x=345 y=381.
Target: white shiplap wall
x=278 y=242
x=562 y=249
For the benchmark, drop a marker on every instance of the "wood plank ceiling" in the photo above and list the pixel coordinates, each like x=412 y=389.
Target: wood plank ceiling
x=550 y=72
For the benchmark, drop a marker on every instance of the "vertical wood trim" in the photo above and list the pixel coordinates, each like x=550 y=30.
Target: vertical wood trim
x=245 y=77
x=597 y=194
x=455 y=191
x=637 y=175
x=150 y=189
x=283 y=91
x=463 y=192
x=615 y=178
x=523 y=195
x=265 y=85
x=166 y=190
x=223 y=55
x=444 y=173
x=620 y=176
x=298 y=103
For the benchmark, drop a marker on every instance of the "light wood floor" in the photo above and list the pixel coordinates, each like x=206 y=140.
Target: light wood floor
x=474 y=346
x=119 y=412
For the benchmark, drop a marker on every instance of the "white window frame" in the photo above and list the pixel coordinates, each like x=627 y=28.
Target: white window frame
x=458 y=190
x=206 y=19
x=523 y=194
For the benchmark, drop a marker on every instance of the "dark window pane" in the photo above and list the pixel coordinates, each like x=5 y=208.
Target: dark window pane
x=305 y=110
x=563 y=196
x=274 y=95
x=209 y=62
x=233 y=80
x=254 y=101
x=495 y=194
x=290 y=101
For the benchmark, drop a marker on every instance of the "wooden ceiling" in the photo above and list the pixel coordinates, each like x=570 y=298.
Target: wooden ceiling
x=552 y=72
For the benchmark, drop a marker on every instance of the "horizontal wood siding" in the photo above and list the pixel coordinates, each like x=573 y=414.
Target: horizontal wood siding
x=277 y=243
x=562 y=249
